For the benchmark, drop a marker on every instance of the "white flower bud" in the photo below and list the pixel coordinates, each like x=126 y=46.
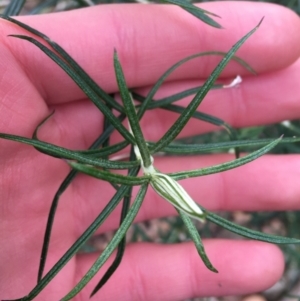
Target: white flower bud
x=174 y=193
x=169 y=189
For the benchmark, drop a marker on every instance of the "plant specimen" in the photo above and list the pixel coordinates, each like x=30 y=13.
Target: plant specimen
x=99 y=162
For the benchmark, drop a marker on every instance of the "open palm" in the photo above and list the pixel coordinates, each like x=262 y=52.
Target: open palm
x=149 y=39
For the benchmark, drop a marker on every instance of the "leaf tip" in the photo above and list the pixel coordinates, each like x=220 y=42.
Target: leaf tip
x=260 y=22
x=213 y=269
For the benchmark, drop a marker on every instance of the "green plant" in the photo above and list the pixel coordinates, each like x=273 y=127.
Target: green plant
x=96 y=163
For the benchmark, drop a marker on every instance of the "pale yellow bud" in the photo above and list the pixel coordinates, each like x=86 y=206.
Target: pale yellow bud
x=170 y=190
x=174 y=193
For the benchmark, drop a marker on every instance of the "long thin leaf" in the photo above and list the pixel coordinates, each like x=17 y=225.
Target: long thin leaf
x=131 y=113
x=147 y=101
x=196 y=11
x=167 y=105
x=121 y=247
x=50 y=220
x=90 y=93
x=158 y=103
x=93 y=151
x=107 y=124
x=243 y=231
x=198 y=115
x=197 y=240
x=109 y=176
x=105 y=151
x=224 y=166
x=207 y=118
x=176 y=128
x=67 y=181
x=111 y=246
x=123 y=190
x=60 y=152
x=193 y=149
x=73 y=64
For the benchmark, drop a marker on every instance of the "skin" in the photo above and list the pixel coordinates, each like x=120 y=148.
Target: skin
x=149 y=39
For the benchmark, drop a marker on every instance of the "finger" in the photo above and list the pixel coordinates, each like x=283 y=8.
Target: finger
x=172 y=34
x=268 y=183
x=175 y=272
x=22 y=106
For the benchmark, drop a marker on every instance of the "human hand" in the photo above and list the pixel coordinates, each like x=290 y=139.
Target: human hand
x=149 y=39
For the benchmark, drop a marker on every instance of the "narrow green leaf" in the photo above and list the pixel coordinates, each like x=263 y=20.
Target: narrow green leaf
x=105 y=151
x=179 y=124
x=64 y=185
x=111 y=246
x=207 y=118
x=131 y=113
x=166 y=105
x=237 y=59
x=193 y=149
x=60 y=152
x=73 y=64
x=79 y=242
x=108 y=176
x=204 y=117
x=147 y=101
x=113 y=267
x=195 y=11
x=243 y=231
x=35 y=133
x=14 y=7
x=224 y=166
x=83 y=86
x=94 y=150
x=50 y=220
x=107 y=124
x=159 y=103
x=197 y=240
x=121 y=247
